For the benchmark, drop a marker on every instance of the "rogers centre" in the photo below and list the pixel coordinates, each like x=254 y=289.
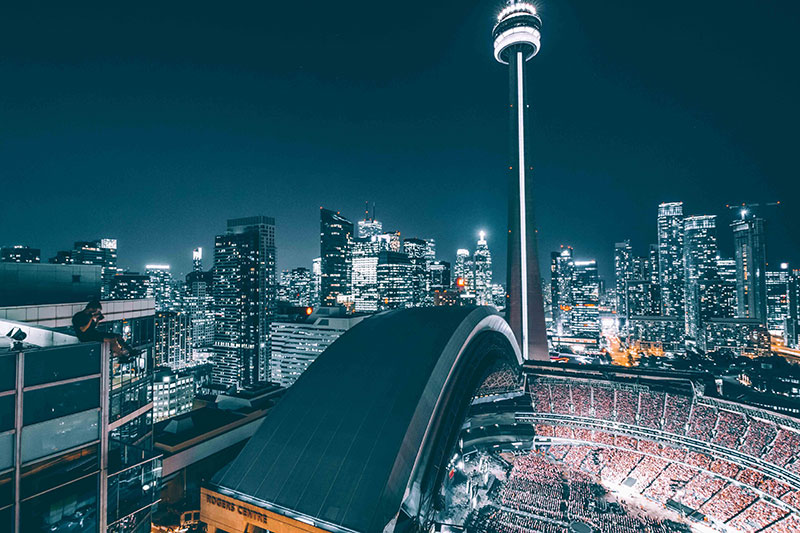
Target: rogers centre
x=428 y=419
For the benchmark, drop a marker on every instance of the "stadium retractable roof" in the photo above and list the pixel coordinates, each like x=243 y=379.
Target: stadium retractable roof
x=357 y=443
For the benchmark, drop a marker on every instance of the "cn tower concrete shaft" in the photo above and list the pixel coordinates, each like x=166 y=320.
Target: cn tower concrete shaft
x=517 y=40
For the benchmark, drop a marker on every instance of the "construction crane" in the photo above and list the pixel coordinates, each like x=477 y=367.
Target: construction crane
x=745 y=208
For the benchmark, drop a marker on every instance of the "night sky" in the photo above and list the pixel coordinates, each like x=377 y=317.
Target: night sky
x=155 y=122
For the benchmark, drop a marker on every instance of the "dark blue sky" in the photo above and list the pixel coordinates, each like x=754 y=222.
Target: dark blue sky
x=155 y=122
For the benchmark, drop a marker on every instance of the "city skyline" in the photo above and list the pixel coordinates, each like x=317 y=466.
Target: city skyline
x=406 y=367
x=190 y=144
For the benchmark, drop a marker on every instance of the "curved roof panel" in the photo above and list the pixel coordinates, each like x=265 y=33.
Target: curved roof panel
x=341 y=445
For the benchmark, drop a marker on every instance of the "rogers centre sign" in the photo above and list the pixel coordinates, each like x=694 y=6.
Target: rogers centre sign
x=240 y=509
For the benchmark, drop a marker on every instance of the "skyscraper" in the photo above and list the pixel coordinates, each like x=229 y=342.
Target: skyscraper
x=297 y=286
x=623 y=271
x=793 y=324
x=173 y=339
x=395 y=280
x=440 y=276
x=197 y=260
x=482 y=260
x=778 y=287
x=129 y=286
x=585 y=315
x=100 y=252
x=751 y=265
x=369 y=227
x=390 y=240
x=364 y=269
x=160 y=286
x=516 y=40
x=245 y=292
x=416 y=250
x=336 y=234
x=463 y=269
x=316 y=276
x=670 y=258
x=725 y=293
x=199 y=304
x=562 y=268
x=700 y=273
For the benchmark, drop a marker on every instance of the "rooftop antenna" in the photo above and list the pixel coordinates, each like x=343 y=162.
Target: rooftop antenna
x=749 y=207
x=373 y=211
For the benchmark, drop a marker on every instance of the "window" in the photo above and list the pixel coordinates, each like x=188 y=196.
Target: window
x=7 y=451
x=53 y=402
x=72 y=508
x=64 y=362
x=6 y=492
x=63 y=433
x=7 y=406
x=8 y=373
x=39 y=477
x=7 y=519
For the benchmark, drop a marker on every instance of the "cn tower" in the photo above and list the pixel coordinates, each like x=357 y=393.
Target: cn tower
x=516 y=40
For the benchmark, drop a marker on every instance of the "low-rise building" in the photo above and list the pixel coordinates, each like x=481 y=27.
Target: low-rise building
x=296 y=344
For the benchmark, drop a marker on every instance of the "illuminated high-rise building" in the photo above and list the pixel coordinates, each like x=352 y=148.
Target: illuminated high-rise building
x=585 y=315
x=725 y=293
x=430 y=259
x=499 y=296
x=670 y=258
x=100 y=252
x=199 y=304
x=439 y=276
x=297 y=286
x=793 y=324
x=463 y=269
x=641 y=297
x=430 y=250
x=700 y=273
x=336 y=234
x=364 y=270
x=751 y=264
x=129 y=286
x=623 y=271
x=516 y=37
x=482 y=261
x=395 y=280
x=416 y=250
x=562 y=268
x=197 y=260
x=173 y=339
x=316 y=276
x=245 y=294
x=160 y=286
x=390 y=240
x=778 y=287
x=369 y=227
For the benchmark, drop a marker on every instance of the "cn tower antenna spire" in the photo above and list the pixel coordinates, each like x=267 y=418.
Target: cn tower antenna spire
x=517 y=39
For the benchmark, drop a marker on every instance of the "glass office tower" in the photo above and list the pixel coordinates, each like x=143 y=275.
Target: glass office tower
x=76 y=429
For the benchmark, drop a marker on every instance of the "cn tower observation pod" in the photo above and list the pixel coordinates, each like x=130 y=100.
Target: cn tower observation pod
x=361 y=441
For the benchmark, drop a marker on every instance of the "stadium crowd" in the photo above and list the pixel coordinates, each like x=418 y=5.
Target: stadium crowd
x=663 y=481
x=671 y=413
x=541 y=496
